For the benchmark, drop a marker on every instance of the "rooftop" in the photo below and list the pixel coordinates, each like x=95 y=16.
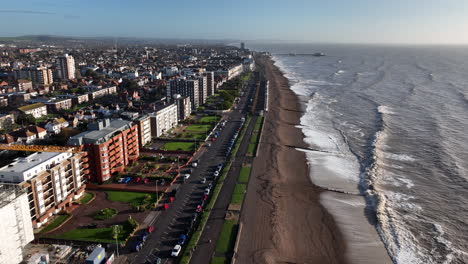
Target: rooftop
x=101 y=132
x=31 y=107
x=31 y=161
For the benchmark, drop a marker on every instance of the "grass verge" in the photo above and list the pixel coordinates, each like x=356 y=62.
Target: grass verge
x=103 y=235
x=238 y=194
x=227 y=238
x=244 y=174
x=219 y=260
x=60 y=219
x=86 y=198
x=184 y=146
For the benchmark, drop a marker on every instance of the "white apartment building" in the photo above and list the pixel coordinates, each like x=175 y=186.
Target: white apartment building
x=15 y=223
x=144 y=130
x=163 y=120
x=66 y=67
x=52 y=181
x=37 y=109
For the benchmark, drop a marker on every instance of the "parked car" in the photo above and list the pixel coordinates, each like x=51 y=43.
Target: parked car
x=138 y=179
x=199 y=209
x=186 y=176
x=157 y=261
x=220 y=166
x=205 y=196
x=207 y=191
x=216 y=173
x=145 y=180
x=150 y=229
x=194 y=164
x=127 y=180
x=182 y=239
x=210 y=185
x=137 y=246
x=203 y=180
x=176 y=250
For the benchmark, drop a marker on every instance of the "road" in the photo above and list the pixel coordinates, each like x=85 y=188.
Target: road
x=170 y=224
x=205 y=250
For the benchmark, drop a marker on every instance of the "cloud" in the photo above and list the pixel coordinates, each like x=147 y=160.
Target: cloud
x=26 y=12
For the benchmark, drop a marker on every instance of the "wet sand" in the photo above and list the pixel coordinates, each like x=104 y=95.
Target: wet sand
x=283 y=220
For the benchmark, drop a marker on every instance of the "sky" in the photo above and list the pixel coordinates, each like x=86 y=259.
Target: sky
x=329 y=21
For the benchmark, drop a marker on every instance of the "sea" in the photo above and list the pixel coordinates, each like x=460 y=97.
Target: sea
x=387 y=128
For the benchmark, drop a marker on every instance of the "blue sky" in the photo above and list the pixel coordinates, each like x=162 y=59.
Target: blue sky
x=345 y=21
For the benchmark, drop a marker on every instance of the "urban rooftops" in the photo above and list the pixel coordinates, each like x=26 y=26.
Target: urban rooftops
x=100 y=132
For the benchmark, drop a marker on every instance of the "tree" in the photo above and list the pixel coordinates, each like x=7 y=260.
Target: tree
x=26 y=119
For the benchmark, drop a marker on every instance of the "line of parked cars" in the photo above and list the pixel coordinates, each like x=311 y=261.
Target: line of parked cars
x=137 y=180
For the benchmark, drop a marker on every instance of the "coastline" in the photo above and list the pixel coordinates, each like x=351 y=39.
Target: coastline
x=283 y=220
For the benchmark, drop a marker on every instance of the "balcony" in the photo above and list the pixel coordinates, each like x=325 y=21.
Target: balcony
x=85 y=160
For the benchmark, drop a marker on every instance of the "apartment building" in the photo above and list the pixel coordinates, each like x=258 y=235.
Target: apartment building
x=210 y=83
x=111 y=145
x=66 y=67
x=102 y=92
x=202 y=89
x=38 y=75
x=24 y=85
x=15 y=223
x=184 y=106
x=37 y=109
x=144 y=130
x=184 y=87
x=58 y=104
x=52 y=181
x=163 y=120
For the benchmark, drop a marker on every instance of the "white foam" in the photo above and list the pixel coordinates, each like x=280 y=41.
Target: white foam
x=399 y=157
x=385 y=110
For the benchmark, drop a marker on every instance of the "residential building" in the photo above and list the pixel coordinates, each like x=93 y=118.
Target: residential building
x=111 y=146
x=163 y=120
x=38 y=75
x=25 y=135
x=202 y=89
x=184 y=106
x=15 y=223
x=55 y=126
x=58 y=104
x=37 y=109
x=77 y=99
x=18 y=99
x=102 y=92
x=6 y=121
x=184 y=87
x=24 y=85
x=144 y=130
x=66 y=67
x=52 y=181
x=210 y=85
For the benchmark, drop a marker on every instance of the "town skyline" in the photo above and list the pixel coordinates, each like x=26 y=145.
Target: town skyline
x=363 y=21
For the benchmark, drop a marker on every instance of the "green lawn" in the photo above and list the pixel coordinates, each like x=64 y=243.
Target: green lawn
x=135 y=198
x=219 y=260
x=238 y=194
x=185 y=146
x=56 y=222
x=86 y=198
x=199 y=136
x=103 y=235
x=255 y=138
x=227 y=238
x=258 y=124
x=251 y=149
x=199 y=128
x=244 y=174
x=209 y=119
x=106 y=213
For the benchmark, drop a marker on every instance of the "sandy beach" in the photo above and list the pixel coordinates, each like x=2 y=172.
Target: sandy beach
x=283 y=221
